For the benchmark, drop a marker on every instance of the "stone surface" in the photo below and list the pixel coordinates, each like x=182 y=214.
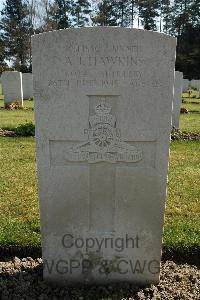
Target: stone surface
x=12 y=86
x=1 y=89
x=27 y=83
x=103 y=119
x=178 y=87
x=186 y=83
x=195 y=83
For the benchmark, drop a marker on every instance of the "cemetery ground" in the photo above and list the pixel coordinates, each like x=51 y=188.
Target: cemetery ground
x=11 y=118
x=20 y=232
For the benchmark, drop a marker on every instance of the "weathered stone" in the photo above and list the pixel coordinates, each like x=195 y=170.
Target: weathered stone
x=12 y=86
x=178 y=83
x=186 y=83
x=195 y=84
x=103 y=120
x=27 y=82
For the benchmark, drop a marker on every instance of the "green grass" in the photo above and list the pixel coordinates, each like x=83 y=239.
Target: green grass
x=182 y=221
x=190 y=122
x=19 y=202
x=9 y=119
x=191 y=106
x=193 y=96
x=19 y=210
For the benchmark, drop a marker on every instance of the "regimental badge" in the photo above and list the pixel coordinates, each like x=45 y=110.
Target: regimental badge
x=104 y=141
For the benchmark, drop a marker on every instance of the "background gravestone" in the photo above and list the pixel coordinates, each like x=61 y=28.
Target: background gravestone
x=27 y=83
x=195 y=83
x=1 y=89
x=186 y=83
x=103 y=134
x=178 y=87
x=12 y=86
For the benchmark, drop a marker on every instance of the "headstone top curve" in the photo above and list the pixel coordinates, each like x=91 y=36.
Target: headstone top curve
x=104 y=29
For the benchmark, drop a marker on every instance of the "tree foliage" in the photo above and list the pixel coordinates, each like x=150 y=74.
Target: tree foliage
x=21 y=18
x=15 y=33
x=105 y=14
x=148 y=11
x=188 y=56
x=80 y=12
x=59 y=13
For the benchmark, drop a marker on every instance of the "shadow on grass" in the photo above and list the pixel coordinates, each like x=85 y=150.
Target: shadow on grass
x=179 y=256
x=189 y=255
x=21 y=252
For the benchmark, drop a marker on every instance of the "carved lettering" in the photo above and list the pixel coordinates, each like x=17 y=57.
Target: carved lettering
x=82 y=48
x=68 y=60
x=122 y=61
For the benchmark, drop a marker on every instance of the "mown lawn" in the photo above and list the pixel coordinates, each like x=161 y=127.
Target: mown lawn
x=18 y=189
x=192 y=106
x=182 y=219
x=19 y=210
x=9 y=119
x=193 y=95
x=190 y=122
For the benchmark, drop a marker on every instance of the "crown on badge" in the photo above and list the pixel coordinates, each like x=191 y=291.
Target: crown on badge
x=102 y=109
x=102 y=115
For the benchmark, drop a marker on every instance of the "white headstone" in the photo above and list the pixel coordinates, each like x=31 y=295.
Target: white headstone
x=103 y=134
x=27 y=83
x=195 y=83
x=12 y=86
x=185 y=85
x=178 y=86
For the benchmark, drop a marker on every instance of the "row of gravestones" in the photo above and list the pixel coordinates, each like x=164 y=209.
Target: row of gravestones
x=191 y=83
x=17 y=86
